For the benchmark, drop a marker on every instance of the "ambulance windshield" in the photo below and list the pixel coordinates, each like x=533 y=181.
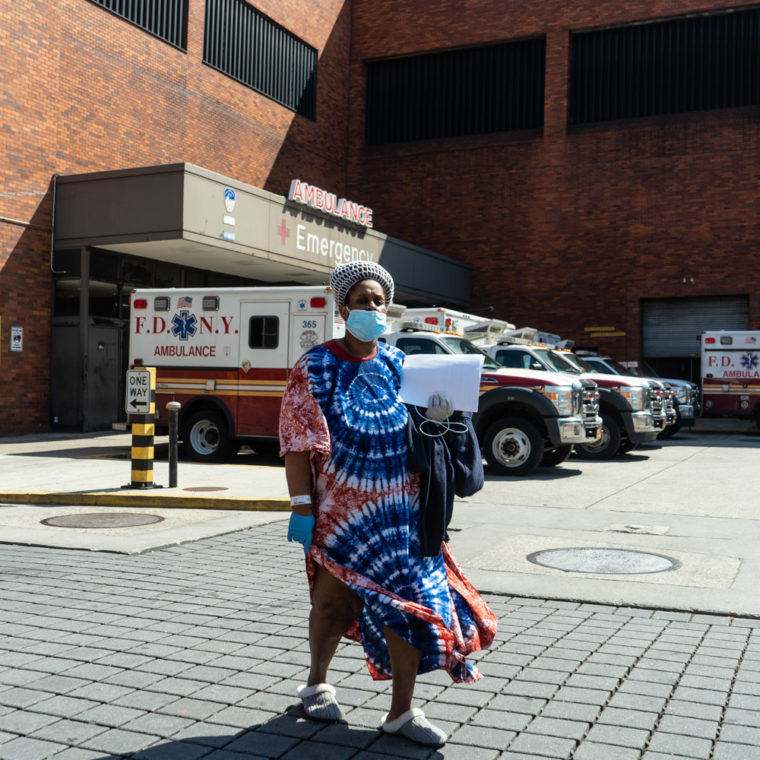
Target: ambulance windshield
x=463 y=346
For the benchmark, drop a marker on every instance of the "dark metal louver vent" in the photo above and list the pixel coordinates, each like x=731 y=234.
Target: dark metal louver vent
x=664 y=67
x=248 y=46
x=470 y=91
x=166 y=19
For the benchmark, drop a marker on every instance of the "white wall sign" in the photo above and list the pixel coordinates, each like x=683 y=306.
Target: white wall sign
x=17 y=338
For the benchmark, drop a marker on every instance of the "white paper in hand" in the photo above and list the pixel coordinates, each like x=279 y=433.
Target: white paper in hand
x=456 y=375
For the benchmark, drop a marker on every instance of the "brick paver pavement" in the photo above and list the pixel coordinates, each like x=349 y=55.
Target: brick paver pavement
x=196 y=652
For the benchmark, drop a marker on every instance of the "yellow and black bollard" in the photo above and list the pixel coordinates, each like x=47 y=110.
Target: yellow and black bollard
x=141 y=405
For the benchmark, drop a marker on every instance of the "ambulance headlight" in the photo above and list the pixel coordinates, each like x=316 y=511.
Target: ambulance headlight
x=636 y=397
x=562 y=398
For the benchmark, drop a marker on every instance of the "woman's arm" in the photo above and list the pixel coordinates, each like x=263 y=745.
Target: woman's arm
x=298 y=477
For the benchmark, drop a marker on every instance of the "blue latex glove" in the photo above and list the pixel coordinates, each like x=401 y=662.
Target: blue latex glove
x=300 y=528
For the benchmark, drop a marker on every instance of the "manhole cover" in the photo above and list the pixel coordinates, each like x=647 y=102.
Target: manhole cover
x=603 y=561
x=102 y=520
x=206 y=488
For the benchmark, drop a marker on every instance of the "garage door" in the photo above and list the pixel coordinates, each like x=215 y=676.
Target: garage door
x=671 y=325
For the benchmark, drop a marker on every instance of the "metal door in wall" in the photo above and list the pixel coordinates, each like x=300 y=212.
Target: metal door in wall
x=671 y=326
x=103 y=394
x=95 y=401
x=66 y=376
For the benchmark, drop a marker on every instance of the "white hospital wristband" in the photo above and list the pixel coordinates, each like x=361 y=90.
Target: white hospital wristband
x=303 y=499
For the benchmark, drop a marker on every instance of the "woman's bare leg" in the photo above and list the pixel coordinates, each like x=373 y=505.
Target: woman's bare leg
x=405 y=660
x=334 y=607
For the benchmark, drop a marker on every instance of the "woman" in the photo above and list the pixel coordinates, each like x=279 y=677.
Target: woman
x=356 y=512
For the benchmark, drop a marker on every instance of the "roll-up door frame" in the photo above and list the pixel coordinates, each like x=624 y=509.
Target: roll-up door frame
x=670 y=326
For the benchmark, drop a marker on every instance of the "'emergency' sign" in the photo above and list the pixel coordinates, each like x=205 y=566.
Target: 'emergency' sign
x=141 y=385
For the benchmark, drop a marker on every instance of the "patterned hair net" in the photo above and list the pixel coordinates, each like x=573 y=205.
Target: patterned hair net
x=345 y=276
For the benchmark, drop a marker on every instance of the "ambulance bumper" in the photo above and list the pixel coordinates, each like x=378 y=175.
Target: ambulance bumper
x=686 y=411
x=641 y=427
x=572 y=430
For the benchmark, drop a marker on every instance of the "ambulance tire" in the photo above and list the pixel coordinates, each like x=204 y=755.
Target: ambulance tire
x=556 y=456
x=205 y=437
x=607 y=446
x=513 y=446
x=669 y=431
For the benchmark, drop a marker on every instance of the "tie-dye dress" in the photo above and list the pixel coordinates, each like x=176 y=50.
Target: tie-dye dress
x=347 y=413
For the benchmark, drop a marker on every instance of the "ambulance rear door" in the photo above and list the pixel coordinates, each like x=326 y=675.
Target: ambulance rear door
x=263 y=366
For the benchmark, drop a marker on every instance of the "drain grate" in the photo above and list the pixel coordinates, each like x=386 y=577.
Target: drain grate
x=603 y=561
x=206 y=488
x=102 y=520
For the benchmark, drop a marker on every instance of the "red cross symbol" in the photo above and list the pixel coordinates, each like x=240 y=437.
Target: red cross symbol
x=283 y=232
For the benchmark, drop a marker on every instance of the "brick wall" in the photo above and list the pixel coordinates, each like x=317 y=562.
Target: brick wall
x=85 y=91
x=565 y=230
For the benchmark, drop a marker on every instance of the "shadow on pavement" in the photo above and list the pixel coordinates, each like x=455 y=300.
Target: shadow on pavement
x=711 y=438
x=94 y=452
x=276 y=737
x=542 y=473
x=267 y=457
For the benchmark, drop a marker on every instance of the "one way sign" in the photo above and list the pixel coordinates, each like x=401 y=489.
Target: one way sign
x=141 y=387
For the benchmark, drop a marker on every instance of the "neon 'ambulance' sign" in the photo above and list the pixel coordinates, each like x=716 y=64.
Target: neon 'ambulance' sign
x=320 y=199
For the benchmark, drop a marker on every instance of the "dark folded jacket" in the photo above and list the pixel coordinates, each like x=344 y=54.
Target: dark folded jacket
x=448 y=465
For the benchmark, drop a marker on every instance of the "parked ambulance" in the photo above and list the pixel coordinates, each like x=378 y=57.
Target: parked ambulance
x=224 y=354
x=630 y=410
x=525 y=418
x=731 y=373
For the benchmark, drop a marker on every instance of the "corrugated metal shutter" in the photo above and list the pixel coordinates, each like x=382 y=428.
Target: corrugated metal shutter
x=670 y=326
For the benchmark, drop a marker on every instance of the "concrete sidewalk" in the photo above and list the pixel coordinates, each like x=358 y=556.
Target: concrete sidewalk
x=49 y=476
x=59 y=469
x=94 y=468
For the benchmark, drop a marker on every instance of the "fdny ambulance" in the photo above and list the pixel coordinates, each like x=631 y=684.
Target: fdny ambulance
x=731 y=373
x=225 y=354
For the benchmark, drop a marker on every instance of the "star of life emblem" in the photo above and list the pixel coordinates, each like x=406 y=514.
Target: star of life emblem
x=184 y=325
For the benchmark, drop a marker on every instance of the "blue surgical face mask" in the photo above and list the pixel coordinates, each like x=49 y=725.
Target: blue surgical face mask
x=366 y=325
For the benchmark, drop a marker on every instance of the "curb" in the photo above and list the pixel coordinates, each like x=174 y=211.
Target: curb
x=121 y=499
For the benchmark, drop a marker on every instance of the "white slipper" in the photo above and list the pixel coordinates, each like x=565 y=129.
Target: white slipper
x=416 y=727
x=319 y=701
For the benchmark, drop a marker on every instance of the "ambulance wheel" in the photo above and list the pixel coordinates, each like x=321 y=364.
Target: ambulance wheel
x=206 y=437
x=556 y=456
x=608 y=443
x=669 y=431
x=513 y=446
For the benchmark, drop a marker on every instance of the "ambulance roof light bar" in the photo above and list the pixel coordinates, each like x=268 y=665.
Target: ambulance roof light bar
x=410 y=324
